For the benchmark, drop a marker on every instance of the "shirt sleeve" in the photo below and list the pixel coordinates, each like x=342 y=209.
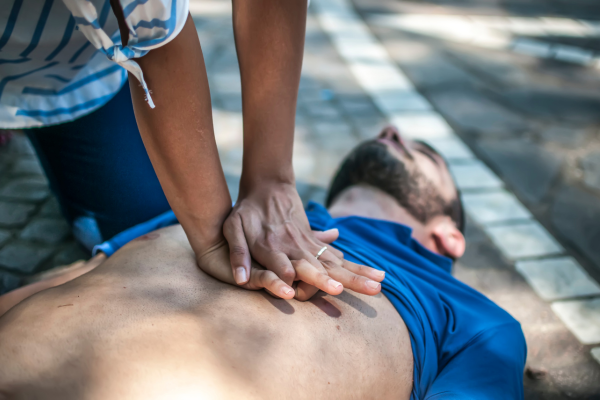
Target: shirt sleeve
x=490 y=367
x=151 y=24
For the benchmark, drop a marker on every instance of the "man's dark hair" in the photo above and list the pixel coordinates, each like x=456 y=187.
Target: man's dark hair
x=372 y=164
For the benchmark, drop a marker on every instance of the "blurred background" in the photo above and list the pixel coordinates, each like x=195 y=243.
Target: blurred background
x=507 y=90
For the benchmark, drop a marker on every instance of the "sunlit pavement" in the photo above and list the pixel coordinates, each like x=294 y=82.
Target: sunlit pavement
x=518 y=84
x=509 y=92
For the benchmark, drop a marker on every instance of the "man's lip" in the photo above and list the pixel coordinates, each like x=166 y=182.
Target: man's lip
x=393 y=143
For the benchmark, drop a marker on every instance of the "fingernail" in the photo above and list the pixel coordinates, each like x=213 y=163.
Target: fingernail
x=334 y=284
x=373 y=284
x=287 y=290
x=381 y=273
x=240 y=275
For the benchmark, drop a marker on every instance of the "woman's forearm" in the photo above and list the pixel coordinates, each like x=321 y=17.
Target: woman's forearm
x=179 y=137
x=269 y=36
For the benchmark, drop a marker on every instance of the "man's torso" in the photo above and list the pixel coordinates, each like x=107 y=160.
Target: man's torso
x=149 y=324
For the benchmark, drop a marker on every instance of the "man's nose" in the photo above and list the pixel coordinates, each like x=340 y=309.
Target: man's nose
x=391 y=133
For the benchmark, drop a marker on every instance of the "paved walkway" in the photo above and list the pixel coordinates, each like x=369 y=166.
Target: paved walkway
x=512 y=102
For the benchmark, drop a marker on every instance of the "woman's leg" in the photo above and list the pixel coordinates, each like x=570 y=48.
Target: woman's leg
x=99 y=170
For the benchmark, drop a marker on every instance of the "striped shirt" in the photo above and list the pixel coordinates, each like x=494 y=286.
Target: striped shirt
x=62 y=59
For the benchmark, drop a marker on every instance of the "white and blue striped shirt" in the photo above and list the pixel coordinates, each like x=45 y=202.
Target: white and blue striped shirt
x=62 y=59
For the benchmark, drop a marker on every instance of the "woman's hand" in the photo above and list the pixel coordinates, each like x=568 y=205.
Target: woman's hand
x=268 y=224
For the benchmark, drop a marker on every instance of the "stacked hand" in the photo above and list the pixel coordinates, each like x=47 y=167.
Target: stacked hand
x=268 y=225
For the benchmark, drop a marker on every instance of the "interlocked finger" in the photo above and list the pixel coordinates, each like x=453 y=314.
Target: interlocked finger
x=356 y=277
x=317 y=277
x=280 y=264
x=268 y=280
x=363 y=270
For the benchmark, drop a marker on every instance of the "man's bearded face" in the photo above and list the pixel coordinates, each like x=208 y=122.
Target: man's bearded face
x=411 y=172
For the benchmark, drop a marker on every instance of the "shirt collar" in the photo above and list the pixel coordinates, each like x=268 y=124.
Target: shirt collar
x=321 y=219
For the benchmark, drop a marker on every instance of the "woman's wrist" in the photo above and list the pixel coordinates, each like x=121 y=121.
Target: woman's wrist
x=275 y=176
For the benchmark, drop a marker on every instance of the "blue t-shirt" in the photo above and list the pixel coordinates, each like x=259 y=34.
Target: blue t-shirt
x=464 y=345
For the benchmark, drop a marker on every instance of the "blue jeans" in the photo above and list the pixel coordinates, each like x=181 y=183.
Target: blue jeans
x=100 y=172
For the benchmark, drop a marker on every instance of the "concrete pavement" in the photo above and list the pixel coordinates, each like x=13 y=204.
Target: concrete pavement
x=507 y=93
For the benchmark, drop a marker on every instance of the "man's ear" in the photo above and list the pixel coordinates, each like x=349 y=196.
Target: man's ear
x=449 y=240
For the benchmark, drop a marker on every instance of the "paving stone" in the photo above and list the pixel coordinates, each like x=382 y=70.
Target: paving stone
x=451 y=148
x=557 y=103
x=323 y=110
x=304 y=190
x=14 y=214
x=4 y=164
x=8 y=282
x=474 y=112
x=482 y=255
x=473 y=233
x=492 y=207
x=318 y=195
x=51 y=208
x=578 y=380
x=575 y=214
x=591 y=170
x=20 y=145
x=474 y=175
x=231 y=102
x=573 y=54
x=304 y=161
x=532 y=48
x=568 y=137
x=582 y=317
x=308 y=82
x=359 y=106
x=233 y=184
x=311 y=95
x=379 y=75
x=421 y=125
x=526 y=166
x=336 y=141
x=333 y=130
x=369 y=129
x=23 y=257
x=25 y=189
x=393 y=101
x=426 y=66
x=46 y=230
x=27 y=166
x=227 y=83
x=68 y=255
x=558 y=278
x=596 y=354
x=526 y=239
x=4 y=236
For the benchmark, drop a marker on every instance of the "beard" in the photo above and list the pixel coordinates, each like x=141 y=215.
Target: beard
x=372 y=164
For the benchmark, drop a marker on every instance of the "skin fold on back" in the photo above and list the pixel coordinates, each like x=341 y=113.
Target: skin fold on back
x=148 y=324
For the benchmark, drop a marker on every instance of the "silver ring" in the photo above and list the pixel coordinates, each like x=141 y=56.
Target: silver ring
x=321 y=252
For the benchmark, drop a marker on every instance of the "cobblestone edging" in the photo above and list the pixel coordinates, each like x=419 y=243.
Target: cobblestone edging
x=538 y=256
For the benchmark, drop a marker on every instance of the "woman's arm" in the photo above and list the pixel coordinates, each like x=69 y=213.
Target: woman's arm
x=178 y=135
x=179 y=138
x=268 y=221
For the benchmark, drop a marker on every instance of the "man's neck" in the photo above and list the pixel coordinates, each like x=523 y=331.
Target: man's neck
x=367 y=201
